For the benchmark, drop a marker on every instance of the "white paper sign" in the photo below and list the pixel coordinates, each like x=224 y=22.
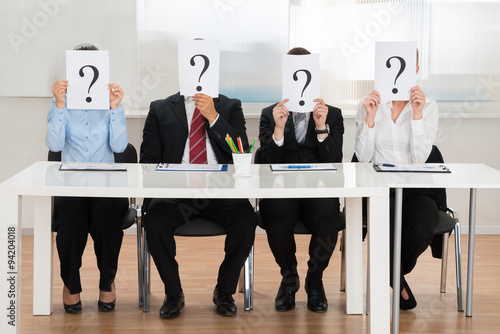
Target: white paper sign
x=199 y=67
x=87 y=73
x=395 y=70
x=300 y=81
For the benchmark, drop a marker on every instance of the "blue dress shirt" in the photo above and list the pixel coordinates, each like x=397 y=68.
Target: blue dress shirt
x=86 y=135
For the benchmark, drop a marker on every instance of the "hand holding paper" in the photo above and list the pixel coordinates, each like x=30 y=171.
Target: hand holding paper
x=115 y=95
x=417 y=100
x=59 y=91
x=206 y=106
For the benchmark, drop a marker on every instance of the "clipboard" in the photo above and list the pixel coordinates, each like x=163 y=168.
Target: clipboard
x=92 y=167
x=191 y=167
x=408 y=168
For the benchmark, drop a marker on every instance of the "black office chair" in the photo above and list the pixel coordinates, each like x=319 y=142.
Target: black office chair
x=449 y=221
x=198 y=227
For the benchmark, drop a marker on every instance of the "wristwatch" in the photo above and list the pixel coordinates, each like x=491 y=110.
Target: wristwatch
x=327 y=130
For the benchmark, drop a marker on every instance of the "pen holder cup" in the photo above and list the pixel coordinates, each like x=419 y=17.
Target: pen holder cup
x=242 y=162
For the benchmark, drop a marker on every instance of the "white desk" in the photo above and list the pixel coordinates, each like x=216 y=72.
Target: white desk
x=351 y=181
x=470 y=176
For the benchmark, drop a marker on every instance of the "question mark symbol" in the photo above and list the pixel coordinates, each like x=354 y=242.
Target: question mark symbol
x=401 y=69
x=308 y=81
x=96 y=76
x=205 y=67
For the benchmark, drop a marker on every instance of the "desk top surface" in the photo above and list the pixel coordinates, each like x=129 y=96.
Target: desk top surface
x=141 y=180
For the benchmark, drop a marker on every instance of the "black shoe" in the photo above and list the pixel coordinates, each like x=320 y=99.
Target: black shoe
x=172 y=305
x=411 y=302
x=224 y=302
x=285 y=299
x=106 y=307
x=74 y=308
x=316 y=298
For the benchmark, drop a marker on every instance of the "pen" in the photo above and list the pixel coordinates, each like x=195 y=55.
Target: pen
x=388 y=165
x=298 y=166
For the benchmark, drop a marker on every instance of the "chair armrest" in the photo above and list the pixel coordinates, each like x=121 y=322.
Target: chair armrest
x=453 y=213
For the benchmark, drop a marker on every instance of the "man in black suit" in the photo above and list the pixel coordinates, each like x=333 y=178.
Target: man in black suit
x=182 y=129
x=301 y=138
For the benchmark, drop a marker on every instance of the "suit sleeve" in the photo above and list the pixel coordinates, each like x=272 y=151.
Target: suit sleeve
x=232 y=122
x=151 y=150
x=269 y=151
x=330 y=150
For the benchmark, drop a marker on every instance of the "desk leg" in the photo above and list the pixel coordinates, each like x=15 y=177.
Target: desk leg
x=42 y=259
x=10 y=264
x=470 y=255
x=354 y=256
x=378 y=260
x=398 y=211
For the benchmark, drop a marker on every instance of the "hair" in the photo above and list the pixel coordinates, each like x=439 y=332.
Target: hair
x=417 y=57
x=298 y=51
x=85 y=47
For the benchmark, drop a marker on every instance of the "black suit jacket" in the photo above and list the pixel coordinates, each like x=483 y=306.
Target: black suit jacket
x=310 y=151
x=166 y=130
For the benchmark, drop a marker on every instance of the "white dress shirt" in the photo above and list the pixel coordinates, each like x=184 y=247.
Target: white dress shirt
x=189 y=106
x=403 y=141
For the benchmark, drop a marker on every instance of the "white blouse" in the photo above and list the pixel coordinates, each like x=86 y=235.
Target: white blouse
x=403 y=141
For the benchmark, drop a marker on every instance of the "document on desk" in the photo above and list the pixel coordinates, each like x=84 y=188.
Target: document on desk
x=416 y=168
x=191 y=167
x=302 y=167
x=75 y=166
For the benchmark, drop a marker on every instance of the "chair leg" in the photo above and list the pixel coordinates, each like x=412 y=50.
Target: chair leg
x=241 y=281
x=147 y=273
x=444 y=261
x=458 y=264
x=342 y=261
x=248 y=282
x=140 y=264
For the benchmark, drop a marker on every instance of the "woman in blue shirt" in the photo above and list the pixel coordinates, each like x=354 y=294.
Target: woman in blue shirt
x=87 y=136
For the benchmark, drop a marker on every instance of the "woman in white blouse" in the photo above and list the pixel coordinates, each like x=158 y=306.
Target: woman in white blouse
x=401 y=132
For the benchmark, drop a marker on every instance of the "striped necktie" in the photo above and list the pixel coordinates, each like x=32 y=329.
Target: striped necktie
x=197 y=139
x=300 y=126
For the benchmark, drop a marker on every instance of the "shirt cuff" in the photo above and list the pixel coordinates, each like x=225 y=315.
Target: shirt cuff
x=215 y=120
x=279 y=143
x=321 y=140
x=417 y=127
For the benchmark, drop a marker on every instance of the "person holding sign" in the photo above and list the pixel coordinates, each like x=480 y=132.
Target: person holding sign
x=402 y=132
x=301 y=137
x=87 y=136
x=191 y=129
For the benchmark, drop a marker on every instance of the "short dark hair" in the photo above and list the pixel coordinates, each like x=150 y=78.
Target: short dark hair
x=85 y=47
x=298 y=51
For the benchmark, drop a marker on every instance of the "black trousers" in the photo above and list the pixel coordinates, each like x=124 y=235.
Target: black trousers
x=163 y=216
x=419 y=220
x=320 y=215
x=73 y=219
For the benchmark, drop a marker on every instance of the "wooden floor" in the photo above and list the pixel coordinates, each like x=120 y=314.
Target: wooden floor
x=199 y=259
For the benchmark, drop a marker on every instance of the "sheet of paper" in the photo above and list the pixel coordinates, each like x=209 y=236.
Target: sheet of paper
x=192 y=167
x=300 y=82
x=422 y=168
x=395 y=70
x=87 y=73
x=92 y=167
x=199 y=67
x=301 y=167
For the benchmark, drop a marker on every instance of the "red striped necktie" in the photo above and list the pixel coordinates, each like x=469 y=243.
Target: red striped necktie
x=197 y=139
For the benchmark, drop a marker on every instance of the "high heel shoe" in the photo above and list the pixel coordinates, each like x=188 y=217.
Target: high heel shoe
x=73 y=308
x=106 y=307
x=411 y=302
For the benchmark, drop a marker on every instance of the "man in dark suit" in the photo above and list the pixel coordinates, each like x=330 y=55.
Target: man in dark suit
x=301 y=138
x=191 y=130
